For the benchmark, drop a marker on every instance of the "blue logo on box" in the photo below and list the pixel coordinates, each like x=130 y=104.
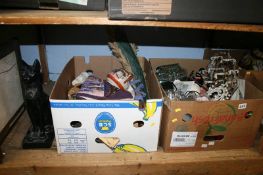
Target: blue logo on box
x=105 y=123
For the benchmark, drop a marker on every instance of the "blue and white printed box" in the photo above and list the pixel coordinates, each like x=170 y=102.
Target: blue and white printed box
x=104 y=126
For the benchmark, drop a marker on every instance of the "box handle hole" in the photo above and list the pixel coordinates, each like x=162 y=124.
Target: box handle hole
x=249 y=114
x=138 y=124
x=187 y=117
x=213 y=138
x=97 y=140
x=75 y=124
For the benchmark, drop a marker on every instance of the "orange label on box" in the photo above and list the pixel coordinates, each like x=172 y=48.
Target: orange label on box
x=146 y=7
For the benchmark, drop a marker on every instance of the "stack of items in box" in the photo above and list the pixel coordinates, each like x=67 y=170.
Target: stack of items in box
x=218 y=81
x=119 y=85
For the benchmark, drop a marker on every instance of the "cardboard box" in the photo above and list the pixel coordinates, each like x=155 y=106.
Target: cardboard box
x=234 y=11
x=79 y=123
x=256 y=78
x=217 y=125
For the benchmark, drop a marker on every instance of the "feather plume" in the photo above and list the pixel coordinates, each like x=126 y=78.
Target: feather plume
x=134 y=48
x=118 y=54
x=126 y=54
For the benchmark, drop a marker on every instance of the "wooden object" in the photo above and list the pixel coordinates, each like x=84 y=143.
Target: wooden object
x=47 y=161
x=43 y=62
x=100 y=18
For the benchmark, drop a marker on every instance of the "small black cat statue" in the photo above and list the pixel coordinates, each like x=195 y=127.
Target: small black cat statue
x=41 y=133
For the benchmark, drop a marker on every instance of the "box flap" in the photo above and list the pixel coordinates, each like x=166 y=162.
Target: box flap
x=256 y=78
x=65 y=78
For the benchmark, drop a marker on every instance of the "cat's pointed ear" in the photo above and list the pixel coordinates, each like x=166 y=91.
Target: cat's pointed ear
x=36 y=65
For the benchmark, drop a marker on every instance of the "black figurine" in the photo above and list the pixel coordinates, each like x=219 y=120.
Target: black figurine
x=41 y=133
x=1 y=156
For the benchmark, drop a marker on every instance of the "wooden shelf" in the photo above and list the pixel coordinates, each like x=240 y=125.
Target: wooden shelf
x=47 y=161
x=55 y=17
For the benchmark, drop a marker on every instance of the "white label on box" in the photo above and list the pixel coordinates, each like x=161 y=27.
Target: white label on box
x=204 y=146
x=146 y=7
x=79 y=2
x=211 y=143
x=72 y=140
x=242 y=106
x=183 y=139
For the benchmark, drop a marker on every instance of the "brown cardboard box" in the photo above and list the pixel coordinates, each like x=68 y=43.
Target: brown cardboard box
x=213 y=125
x=256 y=78
x=114 y=121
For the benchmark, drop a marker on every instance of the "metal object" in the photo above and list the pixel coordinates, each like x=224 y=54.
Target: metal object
x=223 y=75
x=218 y=93
x=219 y=81
x=170 y=73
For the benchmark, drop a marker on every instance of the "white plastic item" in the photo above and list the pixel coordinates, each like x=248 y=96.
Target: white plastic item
x=81 y=78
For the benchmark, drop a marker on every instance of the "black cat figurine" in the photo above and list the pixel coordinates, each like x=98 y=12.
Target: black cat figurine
x=41 y=133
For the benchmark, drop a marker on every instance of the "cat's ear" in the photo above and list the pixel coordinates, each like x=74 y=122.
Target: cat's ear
x=36 y=66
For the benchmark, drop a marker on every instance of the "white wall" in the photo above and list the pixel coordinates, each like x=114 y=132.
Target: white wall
x=58 y=55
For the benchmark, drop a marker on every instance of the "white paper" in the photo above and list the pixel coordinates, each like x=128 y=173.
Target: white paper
x=79 y=2
x=242 y=106
x=204 y=146
x=211 y=143
x=183 y=139
x=146 y=7
x=72 y=140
